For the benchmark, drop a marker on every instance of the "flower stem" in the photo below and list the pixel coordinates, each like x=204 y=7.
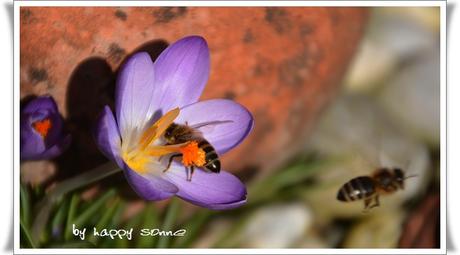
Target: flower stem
x=27 y=235
x=63 y=188
x=71 y=216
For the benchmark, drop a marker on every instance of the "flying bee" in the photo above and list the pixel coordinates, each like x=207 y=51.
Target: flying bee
x=383 y=181
x=198 y=152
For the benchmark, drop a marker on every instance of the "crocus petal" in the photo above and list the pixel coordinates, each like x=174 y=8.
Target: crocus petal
x=32 y=143
x=56 y=149
x=211 y=190
x=55 y=134
x=107 y=136
x=181 y=73
x=219 y=206
x=44 y=103
x=151 y=187
x=230 y=122
x=134 y=93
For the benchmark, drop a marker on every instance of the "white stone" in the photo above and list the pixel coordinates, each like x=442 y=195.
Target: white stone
x=412 y=98
x=277 y=226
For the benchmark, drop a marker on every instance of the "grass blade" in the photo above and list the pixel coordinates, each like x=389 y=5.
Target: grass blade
x=88 y=213
x=168 y=224
x=132 y=223
x=25 y=206
x=65 y=187
x=70 y=216
x=105 y=219
x=267 y=188
x=193 y=226
x=27 y=236
x=151 y=219
x=58 y=221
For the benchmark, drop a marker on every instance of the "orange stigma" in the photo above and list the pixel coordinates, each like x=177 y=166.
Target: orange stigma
x=192 y=155
x=42 y=127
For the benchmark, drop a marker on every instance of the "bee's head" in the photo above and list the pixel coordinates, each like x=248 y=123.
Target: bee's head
x=169 y=133
x=398 y=176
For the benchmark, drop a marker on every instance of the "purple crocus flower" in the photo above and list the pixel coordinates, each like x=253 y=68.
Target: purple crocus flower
x=42 y=134
x=149 y=97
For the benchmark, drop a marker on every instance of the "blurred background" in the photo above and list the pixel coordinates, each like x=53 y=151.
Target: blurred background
x=335 y=92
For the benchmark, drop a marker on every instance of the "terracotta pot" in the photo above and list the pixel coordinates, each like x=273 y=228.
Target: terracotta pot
x=284 y=64
x=421 y=229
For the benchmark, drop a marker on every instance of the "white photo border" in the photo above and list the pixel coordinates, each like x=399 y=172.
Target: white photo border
x=443 y=122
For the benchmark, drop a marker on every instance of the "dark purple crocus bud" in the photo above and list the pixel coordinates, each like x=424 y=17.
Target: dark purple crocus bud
x=42 y=134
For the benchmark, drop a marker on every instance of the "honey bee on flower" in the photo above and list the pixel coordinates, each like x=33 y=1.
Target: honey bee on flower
x=152 y=97
x=197 y=152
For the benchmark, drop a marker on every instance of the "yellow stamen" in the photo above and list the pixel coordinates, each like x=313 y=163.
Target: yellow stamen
x=193 y=155
x=42 y=127
x=145 y=152
x=136 y=162
x=157 y=151
x=158 y=128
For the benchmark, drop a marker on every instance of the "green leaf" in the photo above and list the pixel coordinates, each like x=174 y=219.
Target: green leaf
x=193 y=226
x=57 y=225
x=168 y=223
x=25 y=206
x=27 y=236
x=115 y=221
x=151 y=220
x=268 y=187
x=95 y=206
x=132 y=223
x=104 y=222
x=70 y=217
x=64 y=187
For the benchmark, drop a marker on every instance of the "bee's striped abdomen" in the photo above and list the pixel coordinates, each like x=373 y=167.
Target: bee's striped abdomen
x=212 y=159
x=356 y=189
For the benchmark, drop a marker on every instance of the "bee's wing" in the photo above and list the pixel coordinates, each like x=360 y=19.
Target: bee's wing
x=385 y=160
x=206 y=127
x=159 y=127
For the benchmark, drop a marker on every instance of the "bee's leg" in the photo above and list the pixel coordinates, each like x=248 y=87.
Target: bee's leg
x=190 y=173
x=187 y=171
x=377 y=203
x=170 y=161
x=367 y=202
